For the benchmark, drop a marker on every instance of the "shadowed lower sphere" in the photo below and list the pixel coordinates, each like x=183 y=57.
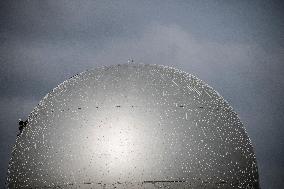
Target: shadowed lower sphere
x=133 y=126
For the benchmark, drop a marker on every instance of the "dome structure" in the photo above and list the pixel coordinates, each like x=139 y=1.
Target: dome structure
x=133 y=126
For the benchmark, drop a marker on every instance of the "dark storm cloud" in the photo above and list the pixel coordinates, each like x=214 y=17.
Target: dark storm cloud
x=236 y=47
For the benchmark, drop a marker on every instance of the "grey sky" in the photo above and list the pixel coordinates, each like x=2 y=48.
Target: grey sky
x=237 y=47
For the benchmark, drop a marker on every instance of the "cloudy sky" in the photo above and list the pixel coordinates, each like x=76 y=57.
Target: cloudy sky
x=237 y=47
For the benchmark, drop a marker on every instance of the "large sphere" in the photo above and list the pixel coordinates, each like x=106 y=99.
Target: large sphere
x=133 y=126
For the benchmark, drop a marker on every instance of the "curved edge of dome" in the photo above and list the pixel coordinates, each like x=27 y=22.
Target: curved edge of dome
x=76 y=76
x=102 y=68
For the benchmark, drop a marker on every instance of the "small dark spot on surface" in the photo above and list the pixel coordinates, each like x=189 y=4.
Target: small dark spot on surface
x=22 y=125
x=181 y=106
x=79 y=108
x=118 y=106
